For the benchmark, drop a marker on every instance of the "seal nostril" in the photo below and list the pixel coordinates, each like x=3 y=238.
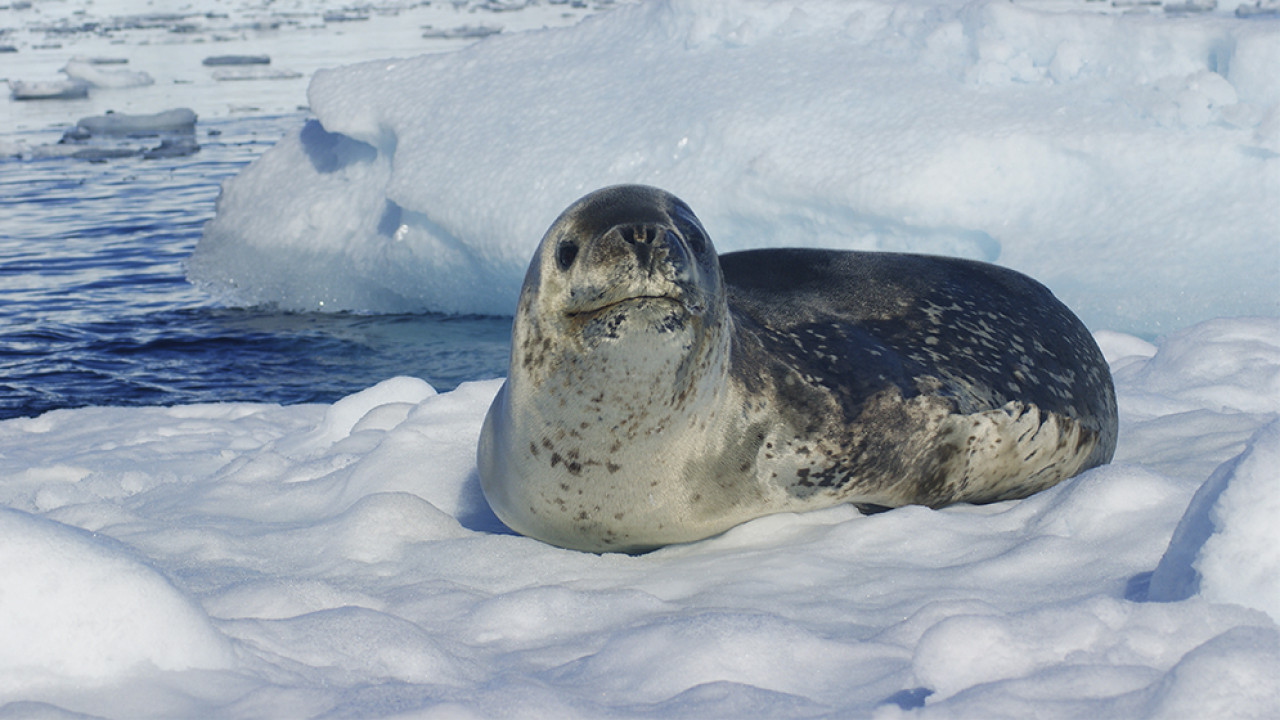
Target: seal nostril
x=638 y=234
x=566 y=254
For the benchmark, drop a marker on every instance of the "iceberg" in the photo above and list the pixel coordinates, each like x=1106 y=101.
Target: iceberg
x=1134 y=145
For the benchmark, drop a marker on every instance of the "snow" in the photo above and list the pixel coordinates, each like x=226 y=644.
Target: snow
x=65 y=587
x=241 y=560
x=247 y=560
x=1105 y=153
x=1214 y=548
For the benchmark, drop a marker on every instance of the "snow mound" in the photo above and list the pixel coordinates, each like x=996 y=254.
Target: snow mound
x=75 y=605
x=1133 y=145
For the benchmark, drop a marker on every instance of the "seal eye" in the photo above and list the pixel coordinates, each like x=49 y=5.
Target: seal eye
x=566 y=253
x=697 y=243
x=687 y=223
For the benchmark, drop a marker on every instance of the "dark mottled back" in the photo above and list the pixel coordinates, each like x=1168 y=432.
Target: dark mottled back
x=988 y=334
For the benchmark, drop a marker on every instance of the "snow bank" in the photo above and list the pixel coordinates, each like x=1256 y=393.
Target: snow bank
x=1106 y=153
x=341 y=561
x=1227 y=546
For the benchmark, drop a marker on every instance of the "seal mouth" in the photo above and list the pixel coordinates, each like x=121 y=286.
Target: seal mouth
x=606 y=305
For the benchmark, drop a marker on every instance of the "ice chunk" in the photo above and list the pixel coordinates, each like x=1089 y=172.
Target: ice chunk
x=170 y=147
x=178 y=120
x=69 y=89
x=214 y=60
x=94 y=76
x=461 y=31
x=344 y=17
x=255 y=72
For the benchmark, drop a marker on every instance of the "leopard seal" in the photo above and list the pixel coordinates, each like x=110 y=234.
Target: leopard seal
x=659 y=393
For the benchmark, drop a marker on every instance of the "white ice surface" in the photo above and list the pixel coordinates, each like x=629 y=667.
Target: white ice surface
x=1108 y=154
x=263 y=561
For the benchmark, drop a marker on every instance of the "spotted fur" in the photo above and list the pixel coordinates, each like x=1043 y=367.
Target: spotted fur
x=659 y=393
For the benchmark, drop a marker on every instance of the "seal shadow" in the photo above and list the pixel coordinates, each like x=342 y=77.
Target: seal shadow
x=1138 y=587
x=474 y=512
x=908 y=699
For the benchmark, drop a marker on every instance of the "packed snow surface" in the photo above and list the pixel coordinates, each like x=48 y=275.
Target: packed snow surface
x=1106 y=153
x=242 y=560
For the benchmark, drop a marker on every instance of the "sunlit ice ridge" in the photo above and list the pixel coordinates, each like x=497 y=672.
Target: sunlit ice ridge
x=1129 y=160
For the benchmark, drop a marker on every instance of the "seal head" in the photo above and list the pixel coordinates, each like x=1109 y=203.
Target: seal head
x=619 y=354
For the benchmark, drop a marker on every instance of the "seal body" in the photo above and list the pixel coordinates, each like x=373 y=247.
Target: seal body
x=659 y=393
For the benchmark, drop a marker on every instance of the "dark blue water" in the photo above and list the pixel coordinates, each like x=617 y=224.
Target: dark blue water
x=95 y=308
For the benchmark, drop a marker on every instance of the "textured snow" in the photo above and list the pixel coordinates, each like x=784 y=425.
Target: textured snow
x=244 y=560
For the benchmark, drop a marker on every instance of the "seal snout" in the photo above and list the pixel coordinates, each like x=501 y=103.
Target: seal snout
x=651 y=244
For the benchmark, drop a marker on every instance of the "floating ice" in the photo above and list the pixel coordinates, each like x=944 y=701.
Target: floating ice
x=1105 y=154
x=48 y=89
x=254 y=72
x=94 y=76
x=178 y=120
x=462 y=31
x=216 y=60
